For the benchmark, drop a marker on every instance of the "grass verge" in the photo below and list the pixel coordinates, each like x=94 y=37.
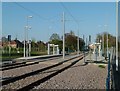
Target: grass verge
x=101 y=66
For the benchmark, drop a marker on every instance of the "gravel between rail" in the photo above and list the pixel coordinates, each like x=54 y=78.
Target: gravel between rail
x=25 y=69
x=24 y=82
x=79 y=76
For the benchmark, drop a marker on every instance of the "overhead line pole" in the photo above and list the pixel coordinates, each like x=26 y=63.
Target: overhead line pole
x=107 y=45
x=63 y=20
x=24 y=42
x=27 y=38
x=117 y=35
x=84 y=48
x=78 y=42
x=86 y=43
x=106 y=28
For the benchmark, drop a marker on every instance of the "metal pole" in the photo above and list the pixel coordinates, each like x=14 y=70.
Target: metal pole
x=27 y=38
x=24 y=41
x=63 y=35
x=27 y=44
x=106 y=39
x=9 y=51
x=53 y=49
x=96 y=53
x=29 y=48
x=89 y=47
x=103 y=44
x=99 y=49
x=48 y=49
x=107 y=45
x=78 y=42
x=84 y=48
x=86 y=43
x=117 y=35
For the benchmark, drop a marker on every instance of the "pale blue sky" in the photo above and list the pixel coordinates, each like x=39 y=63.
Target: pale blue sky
x=47 y=18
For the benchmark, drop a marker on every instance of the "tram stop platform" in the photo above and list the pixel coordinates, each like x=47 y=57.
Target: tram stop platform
x=92 y=58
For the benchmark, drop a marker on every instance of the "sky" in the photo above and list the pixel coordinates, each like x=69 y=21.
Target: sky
x=47 y=18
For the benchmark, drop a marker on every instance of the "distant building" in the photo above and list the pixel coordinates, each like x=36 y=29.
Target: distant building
x=19 y=44
x=13 y=44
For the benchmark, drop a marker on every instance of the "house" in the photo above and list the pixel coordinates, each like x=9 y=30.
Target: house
x=19 y=44
x=13 y=44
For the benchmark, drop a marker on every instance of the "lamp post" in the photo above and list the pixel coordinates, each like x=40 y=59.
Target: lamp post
x=117 y=35
x=27 y=27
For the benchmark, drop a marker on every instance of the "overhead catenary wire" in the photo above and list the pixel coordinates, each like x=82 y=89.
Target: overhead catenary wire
x=37 y=14
x=52 y=19
x=68 y=12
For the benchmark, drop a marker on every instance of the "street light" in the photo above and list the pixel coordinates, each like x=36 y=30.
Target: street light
x=26 y=37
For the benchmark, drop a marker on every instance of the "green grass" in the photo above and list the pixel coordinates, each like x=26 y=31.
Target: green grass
x=101 y=66
x=38 y=53
x=5 y=56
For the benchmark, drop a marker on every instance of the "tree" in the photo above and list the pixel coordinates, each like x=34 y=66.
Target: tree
x=54 y=36
x=41 y=45
x=33 y=45
x=71 y=41
x=55 y=39
x=111 y=39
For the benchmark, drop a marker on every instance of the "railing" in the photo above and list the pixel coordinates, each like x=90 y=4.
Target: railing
x=109 y=77
x=115 y=75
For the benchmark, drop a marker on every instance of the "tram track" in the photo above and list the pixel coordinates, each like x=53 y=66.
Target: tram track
x=58 y=68
x=26 y=63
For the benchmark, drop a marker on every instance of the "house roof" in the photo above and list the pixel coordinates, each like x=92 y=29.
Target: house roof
x=13 y=42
